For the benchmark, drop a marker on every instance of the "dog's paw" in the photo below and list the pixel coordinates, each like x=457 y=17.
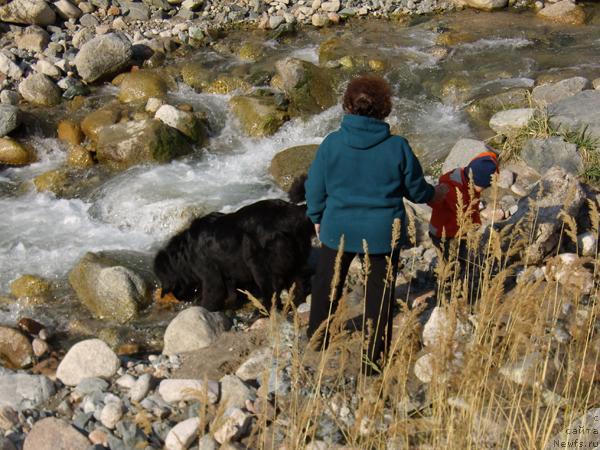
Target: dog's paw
x=167 y=300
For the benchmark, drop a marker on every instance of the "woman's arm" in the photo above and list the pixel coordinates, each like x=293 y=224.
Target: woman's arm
x=416 y=189
x=316 y=193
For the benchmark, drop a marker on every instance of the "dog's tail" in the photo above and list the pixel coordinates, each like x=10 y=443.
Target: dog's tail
x=297 y=193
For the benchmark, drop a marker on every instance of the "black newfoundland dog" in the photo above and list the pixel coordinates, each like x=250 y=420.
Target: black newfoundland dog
x=262 y=247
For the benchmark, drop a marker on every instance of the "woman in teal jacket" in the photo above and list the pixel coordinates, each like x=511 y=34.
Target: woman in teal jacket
x=355 y=189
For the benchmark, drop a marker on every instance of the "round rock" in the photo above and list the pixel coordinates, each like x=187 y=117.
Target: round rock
x=86 y=359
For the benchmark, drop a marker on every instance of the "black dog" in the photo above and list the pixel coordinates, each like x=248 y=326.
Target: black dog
x=263 y=247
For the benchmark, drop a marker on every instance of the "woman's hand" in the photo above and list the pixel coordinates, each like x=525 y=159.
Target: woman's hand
x=441 y=190
x=317 y=229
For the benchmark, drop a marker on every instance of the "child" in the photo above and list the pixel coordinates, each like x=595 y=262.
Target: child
x=444 y=226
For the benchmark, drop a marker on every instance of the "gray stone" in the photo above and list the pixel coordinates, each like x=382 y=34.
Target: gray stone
x=91 y=385
x=6 y=444
x=82 y=36
x=55 y=434
x=136 y=11
x=258 y=362
x=9 y=119
x=38 y=89
x=67 y=10
x=108 y=289
x=88 y=20
x=183 y=434
x=506 y=178
x=234 y=392
x=103 y=56
x=548 y=94
x=187 y=123
x=193 y=329
x=140 y=388
x=206 y=442
x=487 y=5
x=9 y=68
x=578 y=113
x=509 y=122
x=542 y=154
x=23 y=391
x=33 y=38
x=32 y=12
x=87 y=359
x=462 y=153
x=8 y=97
x=173 y=391
x=111 y=414
x=233 y=425
x=563 y=12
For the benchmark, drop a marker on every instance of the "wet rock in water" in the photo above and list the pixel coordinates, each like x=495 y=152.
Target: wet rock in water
x=15 y=349
x=39 y=89
x=310 y=89
x=487 y=5
x=33 y=38
x=196 y=76
x=14 y=154
x=187 y=123
x=24 y=391
x=557 y=190
x=193 y=329
x=259 y=116
x=255 y=366
x=462 y=153
x=234 y=392
x=509 y=122
x=232 y=426
x=108 y=289
x=129 y=143
x=251 y=51
x=29 y=286
x=564 y=12
x=484 y=108
x=227 y=84
x=292 y=163
x=87 y=359
x=96 y=120
x=183 y=434
x=70 y=132
x=548 y=94
x=173 y=391
x=543 y=154
x=32 y=12
x=103 y=56
x=55 y=434
x=64 y=182
x=141 y=85
x=577 y=113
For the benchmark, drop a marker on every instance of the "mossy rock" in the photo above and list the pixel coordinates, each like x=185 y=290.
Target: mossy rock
x=331 y=50
x=95 y=121
x=79 y=157
x=13 y=153
x=482 y=109
x=70 y=132
x=251 y=51
x=196 y=76
x=452 y=38
x=141 y=85
x=28 y=286
x=259 y=116
x=125 y=144
x=226 y=84
x=292 y=163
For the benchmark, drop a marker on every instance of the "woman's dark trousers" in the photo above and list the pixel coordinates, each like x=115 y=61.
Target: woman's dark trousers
x=378 y=301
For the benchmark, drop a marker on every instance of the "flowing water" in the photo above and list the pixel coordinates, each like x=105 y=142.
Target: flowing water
x=140 y=208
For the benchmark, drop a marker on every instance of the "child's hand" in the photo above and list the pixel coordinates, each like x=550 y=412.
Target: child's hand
x=441 y=190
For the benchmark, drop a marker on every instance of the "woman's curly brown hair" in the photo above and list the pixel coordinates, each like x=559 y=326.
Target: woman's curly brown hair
x=369 y=96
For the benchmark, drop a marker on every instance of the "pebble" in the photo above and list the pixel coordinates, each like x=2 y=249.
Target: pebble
x=40 y=347
x=111 y=414
x=182 y=435
x=126 y=381
x=141 y=388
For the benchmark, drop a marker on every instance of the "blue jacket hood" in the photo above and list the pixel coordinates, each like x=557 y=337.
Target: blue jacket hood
x=363 y=132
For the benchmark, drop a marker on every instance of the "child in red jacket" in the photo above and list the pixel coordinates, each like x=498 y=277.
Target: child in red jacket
x=444 y=226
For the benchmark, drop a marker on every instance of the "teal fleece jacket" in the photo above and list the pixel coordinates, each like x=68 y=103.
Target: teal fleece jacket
x=357 y=182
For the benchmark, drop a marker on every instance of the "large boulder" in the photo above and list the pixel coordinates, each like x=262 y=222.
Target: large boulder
x=91 y=358
x=564 y=12
x=509 y=122
x=291 y=163
x=557 y=191
x=14 y=154
x=55 y=434
x=259 y=116
x=128 y=143
x=109 y=287
x=32 y=12
x=39 y=89
x=103 y=56
x=310 y=89
x=96 y=120
x=193 y=329
x=462 y=153
x=576 y=113
x=195 y=75
x=29 y=286
x=15 y=349
x=543 y=154
x=484 y=108
x=141 y=85
x=24 y=391
x=9 y=119
x=487 y=5
x=547 y=94
x=187 y=123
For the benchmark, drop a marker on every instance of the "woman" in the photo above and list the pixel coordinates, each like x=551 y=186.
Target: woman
x=355 y=189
